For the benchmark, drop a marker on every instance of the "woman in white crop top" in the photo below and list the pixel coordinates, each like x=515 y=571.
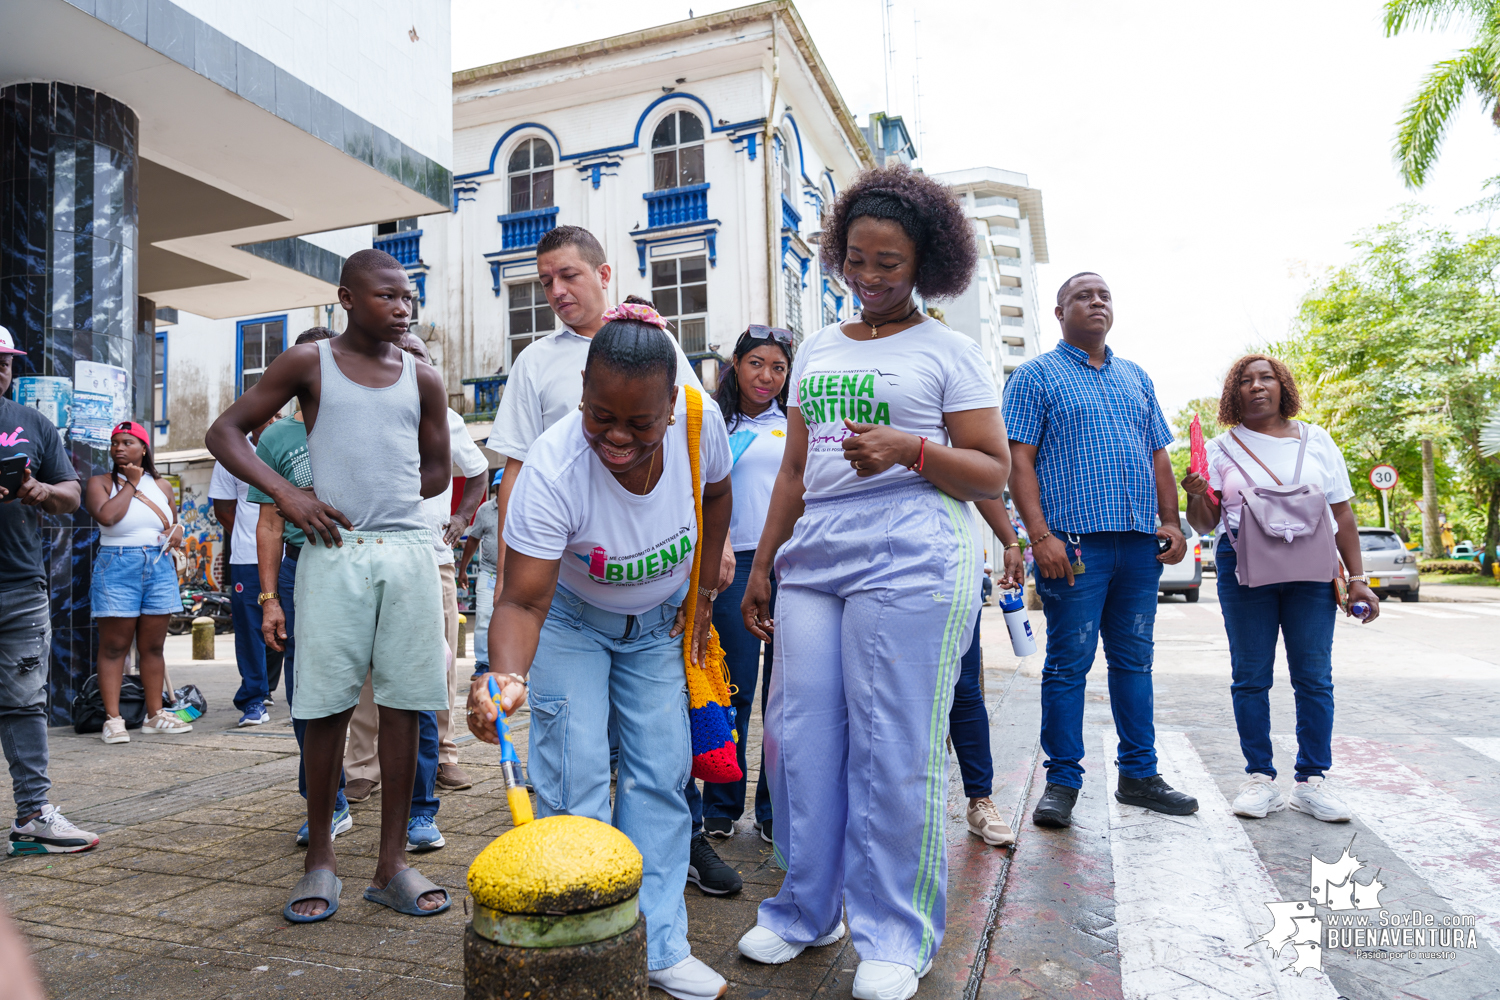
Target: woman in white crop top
x=134 y=591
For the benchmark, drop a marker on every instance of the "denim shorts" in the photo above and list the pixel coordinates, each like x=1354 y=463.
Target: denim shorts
x=131 y=580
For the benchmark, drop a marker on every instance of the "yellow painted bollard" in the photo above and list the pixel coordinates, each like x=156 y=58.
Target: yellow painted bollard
x=463 y=636
x=203 y=638
x=556 y=915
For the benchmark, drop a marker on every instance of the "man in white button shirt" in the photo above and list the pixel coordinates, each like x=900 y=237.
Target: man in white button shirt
x=448 y=526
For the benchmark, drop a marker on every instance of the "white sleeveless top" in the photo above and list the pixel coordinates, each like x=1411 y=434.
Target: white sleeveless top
x=140 y=526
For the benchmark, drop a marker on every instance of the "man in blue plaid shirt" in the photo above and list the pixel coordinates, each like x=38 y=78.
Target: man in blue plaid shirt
x=1091 y=479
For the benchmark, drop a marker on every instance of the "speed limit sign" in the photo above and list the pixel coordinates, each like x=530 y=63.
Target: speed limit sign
x=1384 y=477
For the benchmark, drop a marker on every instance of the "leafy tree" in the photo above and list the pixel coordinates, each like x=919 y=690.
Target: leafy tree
x=1401 y=346
x=1476 y=69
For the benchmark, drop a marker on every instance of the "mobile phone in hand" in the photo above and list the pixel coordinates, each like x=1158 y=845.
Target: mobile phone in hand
x=1162 y=545
x=11 y=474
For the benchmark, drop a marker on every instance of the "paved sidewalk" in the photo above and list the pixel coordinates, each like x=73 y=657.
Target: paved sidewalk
x=183 y=896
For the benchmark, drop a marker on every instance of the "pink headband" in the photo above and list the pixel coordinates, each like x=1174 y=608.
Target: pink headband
x=636 y=311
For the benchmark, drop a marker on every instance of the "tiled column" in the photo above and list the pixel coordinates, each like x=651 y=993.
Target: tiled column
x=68 y=293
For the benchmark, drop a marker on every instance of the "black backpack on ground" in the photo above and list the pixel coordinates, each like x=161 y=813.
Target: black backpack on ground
x=88 y=706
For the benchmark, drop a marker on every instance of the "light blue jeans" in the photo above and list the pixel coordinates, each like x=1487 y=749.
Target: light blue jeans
x=588 y=662
x=484 y=606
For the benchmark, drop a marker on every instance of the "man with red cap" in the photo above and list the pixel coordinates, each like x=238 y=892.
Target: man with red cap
x=35 y=478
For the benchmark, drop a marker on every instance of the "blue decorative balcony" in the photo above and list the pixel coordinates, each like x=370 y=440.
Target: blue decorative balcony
x=405 y=247
x=520 y=230
x=790 y=217
x=676 y=206
x=487 y=389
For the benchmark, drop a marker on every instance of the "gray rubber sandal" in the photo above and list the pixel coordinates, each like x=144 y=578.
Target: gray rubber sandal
x=402 y=892
x=320 y=883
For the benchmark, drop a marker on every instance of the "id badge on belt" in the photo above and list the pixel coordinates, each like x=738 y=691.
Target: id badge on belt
x=1073 y=545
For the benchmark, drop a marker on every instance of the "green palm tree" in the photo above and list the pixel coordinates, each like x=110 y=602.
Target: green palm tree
x=1419 y=135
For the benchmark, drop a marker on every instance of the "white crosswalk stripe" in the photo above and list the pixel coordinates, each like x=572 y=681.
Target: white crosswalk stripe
x=1477 y=609
x=1450 y=846
x=1190 y=895
x=1487 y=745
x=1453 y=611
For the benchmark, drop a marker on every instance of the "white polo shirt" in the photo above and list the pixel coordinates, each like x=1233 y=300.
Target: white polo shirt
x=545 y=385
x=471 y=462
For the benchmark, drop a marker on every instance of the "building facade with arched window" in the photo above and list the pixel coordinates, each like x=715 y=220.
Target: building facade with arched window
x=656 y=142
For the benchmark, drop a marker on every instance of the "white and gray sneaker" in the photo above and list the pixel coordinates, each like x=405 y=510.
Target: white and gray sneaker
x=1258 y=796
x=1314 y=798
x=875 y=980
x=49 y=833
x=165 y=722
x=761 y=944
x=689 y=979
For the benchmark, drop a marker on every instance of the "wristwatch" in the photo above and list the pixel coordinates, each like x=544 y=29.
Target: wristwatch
x=263 y=598
x=710 y=594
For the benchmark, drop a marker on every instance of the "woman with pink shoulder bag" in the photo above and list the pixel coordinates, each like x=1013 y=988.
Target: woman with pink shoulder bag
x=1282 y=489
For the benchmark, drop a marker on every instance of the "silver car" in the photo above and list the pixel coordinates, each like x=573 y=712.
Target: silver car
x=1392 y=569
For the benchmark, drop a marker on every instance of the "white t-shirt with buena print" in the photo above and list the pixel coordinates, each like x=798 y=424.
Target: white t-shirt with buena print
x=906 y=380
x=619 y=551
x=757 y=445
x=1323 y=465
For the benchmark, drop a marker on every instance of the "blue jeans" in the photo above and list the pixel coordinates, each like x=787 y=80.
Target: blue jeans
x=742 y=651
x=969 y=725
x=249 y=643
x=589 y=661
x=25 y=646
x=424 y=800
x=1115 y=596
x=286 y=583
x=1304 y=613
x=484 y=607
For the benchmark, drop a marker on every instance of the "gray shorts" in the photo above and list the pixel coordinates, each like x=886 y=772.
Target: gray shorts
x=372 y=607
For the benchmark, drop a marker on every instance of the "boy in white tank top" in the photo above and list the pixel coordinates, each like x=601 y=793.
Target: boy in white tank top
x=368 y=597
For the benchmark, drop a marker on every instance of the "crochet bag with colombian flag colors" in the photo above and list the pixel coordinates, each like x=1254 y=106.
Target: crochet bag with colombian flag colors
x=709 y=712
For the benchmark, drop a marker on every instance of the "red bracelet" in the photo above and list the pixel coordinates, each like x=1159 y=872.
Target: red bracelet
x=921 y=457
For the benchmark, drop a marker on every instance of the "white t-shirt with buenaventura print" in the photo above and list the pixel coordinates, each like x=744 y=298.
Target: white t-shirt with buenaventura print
x=1323 y=465
x=906 y=380
x=619 y=551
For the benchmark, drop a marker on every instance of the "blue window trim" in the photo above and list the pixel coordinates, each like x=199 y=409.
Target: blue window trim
x=634 y=142
x=801 y=163
x=161 y=418
x=239 y=345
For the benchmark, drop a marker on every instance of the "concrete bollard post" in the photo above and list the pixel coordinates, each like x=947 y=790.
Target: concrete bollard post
x=463 y=636
x=203 y=638
x=556 y=915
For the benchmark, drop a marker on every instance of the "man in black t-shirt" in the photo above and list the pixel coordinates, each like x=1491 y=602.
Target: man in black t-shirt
x=48 y=483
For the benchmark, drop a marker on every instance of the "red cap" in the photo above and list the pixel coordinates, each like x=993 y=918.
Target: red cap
x=134 y=429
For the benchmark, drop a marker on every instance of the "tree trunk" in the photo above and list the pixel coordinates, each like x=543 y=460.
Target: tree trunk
x=1492 y=530
x=1432 y=533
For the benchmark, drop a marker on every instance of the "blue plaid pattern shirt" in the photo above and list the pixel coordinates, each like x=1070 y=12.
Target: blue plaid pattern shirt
x=1094 y=430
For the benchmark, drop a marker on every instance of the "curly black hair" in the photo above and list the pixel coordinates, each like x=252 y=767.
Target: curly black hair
x=929 y=213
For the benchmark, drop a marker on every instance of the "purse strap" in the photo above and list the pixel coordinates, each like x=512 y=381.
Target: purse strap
x=694 y=435
x=166 y=525
x=1296 y=473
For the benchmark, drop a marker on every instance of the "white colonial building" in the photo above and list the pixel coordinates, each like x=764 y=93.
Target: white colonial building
x=701 y=153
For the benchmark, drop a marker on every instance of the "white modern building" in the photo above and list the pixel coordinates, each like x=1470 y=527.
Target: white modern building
x=1001 y=309
x=701 y=153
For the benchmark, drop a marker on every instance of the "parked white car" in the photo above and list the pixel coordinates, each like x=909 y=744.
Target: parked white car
x=1186 y=578
x=1209 y=545
x=1392 y=569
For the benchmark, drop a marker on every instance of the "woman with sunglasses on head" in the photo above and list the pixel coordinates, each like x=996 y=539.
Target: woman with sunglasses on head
x=752 y=397
x=134 y=590
x=894 y=422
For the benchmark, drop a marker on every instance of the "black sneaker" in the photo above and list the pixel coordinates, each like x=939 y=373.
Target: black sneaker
x=1154 y=793
x=1055 y=808
x=718 y=828
x=708 y=871
x=764 y=829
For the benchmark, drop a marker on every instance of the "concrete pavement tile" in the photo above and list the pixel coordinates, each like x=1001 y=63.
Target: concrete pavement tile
x=148 y=891
x=161 y=862
x=230 y=869
x=284 y=979
x=177 y=835
x=68 y=972
x=216 y=907
x=263 y=844
x=285 y=870
x=23 y=892
x=108 y=852
x=97 y=875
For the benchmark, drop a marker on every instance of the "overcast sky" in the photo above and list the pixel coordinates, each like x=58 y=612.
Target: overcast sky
x=1210 y=160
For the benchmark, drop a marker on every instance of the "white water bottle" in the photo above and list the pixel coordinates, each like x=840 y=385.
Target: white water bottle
x=1021 y=640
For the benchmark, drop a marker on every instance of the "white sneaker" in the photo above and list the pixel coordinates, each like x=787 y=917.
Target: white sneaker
x=165 y=722
x=761 y=944
x=1258 y=796
x=986 y=824
x=49 y=833
x=1313 y=797
x=875 y=980
x=689 y=979
x=114 y=730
